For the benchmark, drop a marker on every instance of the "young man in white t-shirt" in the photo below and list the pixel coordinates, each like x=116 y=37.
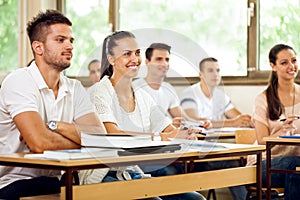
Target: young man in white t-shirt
x=206 y=100
x=163 y=93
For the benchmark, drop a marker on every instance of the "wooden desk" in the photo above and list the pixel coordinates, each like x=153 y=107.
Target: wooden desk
x=270 y=142
x=151 y=187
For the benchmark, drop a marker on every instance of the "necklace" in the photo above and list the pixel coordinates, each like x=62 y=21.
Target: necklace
x=293 y=102
x=293 y=106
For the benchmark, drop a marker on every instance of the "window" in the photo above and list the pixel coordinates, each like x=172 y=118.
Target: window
x=90 y=27
x=8 y=35
x=219 y=28
x=278 y=24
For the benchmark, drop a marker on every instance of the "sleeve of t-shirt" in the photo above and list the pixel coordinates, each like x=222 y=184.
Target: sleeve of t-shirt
x=228 y=104
x=82 y=102
x=188 y=100
x=19 y=96
x=260 y=109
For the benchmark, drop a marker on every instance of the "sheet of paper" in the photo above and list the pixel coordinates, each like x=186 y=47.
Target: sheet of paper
x=120 y=142
x=199 y=145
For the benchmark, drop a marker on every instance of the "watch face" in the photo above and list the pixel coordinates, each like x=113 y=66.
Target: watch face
x=52 y=125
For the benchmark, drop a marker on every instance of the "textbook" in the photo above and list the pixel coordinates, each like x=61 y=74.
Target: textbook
x=128 y=144
x=83 y=153
x=116 y=141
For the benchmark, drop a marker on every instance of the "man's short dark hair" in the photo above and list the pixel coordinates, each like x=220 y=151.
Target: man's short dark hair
x=93 y=61
x=37 y=27
x=162 y=46
x=208 y=59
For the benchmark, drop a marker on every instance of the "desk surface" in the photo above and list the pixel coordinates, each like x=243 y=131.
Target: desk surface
x=234 y=148
x=174 y=184
x=281 y=140
x=270 y=142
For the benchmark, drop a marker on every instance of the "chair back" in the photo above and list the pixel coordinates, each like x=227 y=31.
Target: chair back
x=245 y=136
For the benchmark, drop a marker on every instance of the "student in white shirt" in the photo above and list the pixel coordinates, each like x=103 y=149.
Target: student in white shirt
x=41 y=109
x=206 y=100
x=163 y=93
x=123 y=109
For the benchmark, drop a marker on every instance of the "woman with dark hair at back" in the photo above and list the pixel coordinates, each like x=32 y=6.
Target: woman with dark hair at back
x=124 y=110
x=281 y=100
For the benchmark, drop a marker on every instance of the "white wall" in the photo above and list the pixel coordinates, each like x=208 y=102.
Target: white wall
x=241 y=96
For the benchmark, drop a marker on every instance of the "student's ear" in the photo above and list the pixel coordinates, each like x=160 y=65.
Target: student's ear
x=37 y=47
x=111 y=60
x=146 y=61
x=200 y=75
x=273 y=67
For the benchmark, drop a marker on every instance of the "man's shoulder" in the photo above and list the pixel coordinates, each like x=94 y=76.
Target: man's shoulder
x=16 y=77
x=139 y=83
x=192 y=87
x=166 y=84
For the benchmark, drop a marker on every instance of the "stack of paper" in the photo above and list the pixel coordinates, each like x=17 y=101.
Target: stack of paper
x=83 y=153
x=114 y=141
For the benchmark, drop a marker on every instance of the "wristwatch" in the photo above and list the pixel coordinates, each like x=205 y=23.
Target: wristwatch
x=52 y=125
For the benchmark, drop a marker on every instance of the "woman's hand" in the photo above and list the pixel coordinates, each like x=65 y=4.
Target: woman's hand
x=177 y=121
x=186 y=133
x=243 y=120
x=288 y=126
x=206 y=124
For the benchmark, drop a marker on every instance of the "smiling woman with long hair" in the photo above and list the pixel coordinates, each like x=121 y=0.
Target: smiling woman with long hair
x=124 y=110
x=281 y=100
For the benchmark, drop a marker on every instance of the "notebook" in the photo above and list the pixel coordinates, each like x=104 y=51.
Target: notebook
x=296 y=136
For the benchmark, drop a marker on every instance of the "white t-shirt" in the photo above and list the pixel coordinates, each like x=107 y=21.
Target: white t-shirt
x=165 y=96
x=213 y=108
x=147 y=116
x=25 y=90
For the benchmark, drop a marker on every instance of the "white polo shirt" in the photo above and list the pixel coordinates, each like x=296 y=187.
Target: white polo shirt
x=25 y=90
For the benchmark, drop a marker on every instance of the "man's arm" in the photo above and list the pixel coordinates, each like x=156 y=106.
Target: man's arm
x=232 y=113
x=88 y=123
x=236 y=119
x=39 y=138
x=175 y=112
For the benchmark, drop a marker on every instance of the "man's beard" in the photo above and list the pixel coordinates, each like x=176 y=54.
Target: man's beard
x=60 y=65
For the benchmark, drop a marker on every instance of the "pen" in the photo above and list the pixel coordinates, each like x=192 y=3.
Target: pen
x=294 y=118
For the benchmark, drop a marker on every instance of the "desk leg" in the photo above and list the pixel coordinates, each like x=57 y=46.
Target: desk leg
x=69 y=183
x=268 y=170
x=258 y=175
